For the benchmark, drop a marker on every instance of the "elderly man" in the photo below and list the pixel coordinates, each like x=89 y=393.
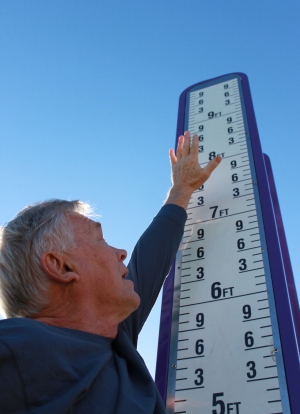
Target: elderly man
x=75 y=310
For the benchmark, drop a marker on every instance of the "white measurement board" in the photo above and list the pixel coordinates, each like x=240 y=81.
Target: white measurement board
x=224 y=350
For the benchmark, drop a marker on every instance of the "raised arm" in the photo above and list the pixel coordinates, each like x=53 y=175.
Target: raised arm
x=155 y=251
x=187 y=174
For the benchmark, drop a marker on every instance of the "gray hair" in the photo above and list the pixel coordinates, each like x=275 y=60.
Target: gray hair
x=36 y=229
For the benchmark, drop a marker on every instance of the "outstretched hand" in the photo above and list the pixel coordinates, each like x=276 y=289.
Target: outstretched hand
x=187 y=174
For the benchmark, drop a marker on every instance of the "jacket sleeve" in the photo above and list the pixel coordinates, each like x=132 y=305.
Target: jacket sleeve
x=151 y=260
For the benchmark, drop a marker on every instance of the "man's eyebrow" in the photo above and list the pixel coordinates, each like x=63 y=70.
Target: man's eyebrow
x=97 y=224
x=94 y=224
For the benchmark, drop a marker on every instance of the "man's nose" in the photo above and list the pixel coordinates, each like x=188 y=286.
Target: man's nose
x=122 y=254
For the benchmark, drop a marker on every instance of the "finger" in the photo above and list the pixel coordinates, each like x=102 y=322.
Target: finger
x=172 y=156
x=186 y=144
x=179 y=147
x=195 y=145
x=208 y=169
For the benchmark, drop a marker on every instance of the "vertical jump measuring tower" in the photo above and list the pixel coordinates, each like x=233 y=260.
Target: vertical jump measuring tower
x=229 y=333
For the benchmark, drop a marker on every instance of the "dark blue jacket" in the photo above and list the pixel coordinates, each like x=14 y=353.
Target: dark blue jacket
x=51 y=370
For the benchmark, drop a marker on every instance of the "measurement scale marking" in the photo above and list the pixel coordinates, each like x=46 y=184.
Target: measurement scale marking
x=235 y=168
x=240 y=181
x=249 y=248
x=262 y=379
x=245 y=195
x=216 y=300
x=192 y=281
x=250 y=270
x=194 y=260
x=229 y=156
x=255 y=319
x=193 y=241
x=211 y=119
x=193 y=388
x=198 y=206
x=234 y=143
x=194 y=357
x=188 y=330
x=251 y=228
x=233 y=133
x=258 y=347
x=219 y=218
x=194 y=122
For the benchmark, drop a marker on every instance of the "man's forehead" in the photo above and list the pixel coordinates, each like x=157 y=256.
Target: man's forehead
x=82 y=222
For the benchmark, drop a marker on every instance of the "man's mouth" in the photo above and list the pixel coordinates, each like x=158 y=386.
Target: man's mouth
x=125 y=274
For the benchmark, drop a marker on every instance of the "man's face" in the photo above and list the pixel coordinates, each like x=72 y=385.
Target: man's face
x=101 y=270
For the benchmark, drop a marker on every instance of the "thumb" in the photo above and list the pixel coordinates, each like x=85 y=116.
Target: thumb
x=173 y=158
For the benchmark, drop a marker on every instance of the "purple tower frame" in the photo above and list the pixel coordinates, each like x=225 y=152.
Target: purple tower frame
x=287 y=306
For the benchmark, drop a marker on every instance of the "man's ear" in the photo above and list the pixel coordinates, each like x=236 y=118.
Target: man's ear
x=55 y=266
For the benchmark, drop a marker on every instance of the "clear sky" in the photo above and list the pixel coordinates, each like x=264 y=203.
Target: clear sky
x=89 y=94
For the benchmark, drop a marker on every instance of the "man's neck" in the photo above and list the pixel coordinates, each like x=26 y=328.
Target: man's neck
x=96 y=327
x=67 y=308
x=79 y=315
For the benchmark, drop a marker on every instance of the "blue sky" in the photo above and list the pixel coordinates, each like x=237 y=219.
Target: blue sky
x=89 y=96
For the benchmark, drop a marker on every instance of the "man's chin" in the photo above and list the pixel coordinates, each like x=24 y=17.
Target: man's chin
x=137 y=301
x=134 y=302
x=131 y=306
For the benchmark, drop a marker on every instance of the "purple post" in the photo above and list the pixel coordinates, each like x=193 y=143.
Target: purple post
x=284 y=250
